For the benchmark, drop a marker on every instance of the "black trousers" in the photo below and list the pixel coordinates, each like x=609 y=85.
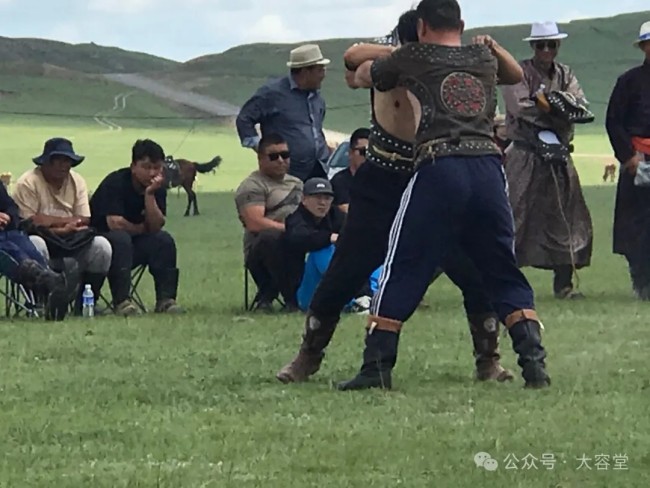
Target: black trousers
x=273 y=268
x=157 y=251
x=375 y=197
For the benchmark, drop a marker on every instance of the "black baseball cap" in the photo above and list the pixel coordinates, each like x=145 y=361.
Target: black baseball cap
x=317 y=186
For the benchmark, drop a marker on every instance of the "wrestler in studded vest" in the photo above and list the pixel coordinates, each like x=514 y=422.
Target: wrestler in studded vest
x=457 y=188
x=393 y=158
x=456 y=89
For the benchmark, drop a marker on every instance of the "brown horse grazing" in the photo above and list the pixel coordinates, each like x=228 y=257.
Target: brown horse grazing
x=610 y=172
x=182 y=173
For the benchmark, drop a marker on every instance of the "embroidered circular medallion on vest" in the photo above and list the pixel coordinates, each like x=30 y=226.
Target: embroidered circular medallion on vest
x=463 y=94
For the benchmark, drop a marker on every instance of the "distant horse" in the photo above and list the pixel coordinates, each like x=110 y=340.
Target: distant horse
x=610 y=172
x=182 y=173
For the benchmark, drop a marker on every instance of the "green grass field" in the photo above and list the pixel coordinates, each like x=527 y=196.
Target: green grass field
x=192 y=401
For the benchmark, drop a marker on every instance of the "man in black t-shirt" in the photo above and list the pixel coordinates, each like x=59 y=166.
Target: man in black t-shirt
x=342 y=181
x=129 y=208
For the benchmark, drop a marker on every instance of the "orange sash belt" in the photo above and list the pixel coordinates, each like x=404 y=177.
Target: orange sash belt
x=641 y=144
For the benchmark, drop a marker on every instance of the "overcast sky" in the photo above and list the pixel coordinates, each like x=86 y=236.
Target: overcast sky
x=184 y=29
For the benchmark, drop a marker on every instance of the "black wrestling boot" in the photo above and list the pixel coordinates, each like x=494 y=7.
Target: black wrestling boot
x=527 y=343
x=316 y=337
x=379 y=358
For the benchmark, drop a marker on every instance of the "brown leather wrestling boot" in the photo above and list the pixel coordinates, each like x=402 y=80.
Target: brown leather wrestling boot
x=315 y=339
x=485 y=336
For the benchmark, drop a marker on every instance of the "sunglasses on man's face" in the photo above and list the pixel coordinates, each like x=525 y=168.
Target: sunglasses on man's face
x=275 y=155
x=361 y=150
x=541 y=45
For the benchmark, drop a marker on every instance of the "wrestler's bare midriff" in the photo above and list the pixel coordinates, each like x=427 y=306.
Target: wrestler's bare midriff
x=394 y=113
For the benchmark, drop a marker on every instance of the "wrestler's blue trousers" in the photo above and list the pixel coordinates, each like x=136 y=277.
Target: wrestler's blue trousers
x=315 y=266
x=452 y=201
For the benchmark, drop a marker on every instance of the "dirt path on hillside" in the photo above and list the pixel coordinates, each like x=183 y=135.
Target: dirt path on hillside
x=119 y=105
x=190 y=99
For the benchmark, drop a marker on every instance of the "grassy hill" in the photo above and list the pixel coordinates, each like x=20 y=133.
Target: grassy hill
x=598 y=49
x=85 y=58
x=55 y=77
x=63 y=81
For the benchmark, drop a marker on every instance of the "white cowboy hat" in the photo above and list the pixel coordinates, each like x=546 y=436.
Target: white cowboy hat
x=306 y=55
x=541 y=31
x=644 y=34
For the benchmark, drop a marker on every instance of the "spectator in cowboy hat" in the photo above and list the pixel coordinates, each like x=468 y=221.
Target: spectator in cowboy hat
x=53 y=199
x=552 y=221
x=292 y=107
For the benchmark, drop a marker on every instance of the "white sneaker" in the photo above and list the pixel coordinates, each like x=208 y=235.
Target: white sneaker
x=361 y=305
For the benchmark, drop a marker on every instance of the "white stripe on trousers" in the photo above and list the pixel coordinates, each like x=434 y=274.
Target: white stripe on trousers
x=511 y=210
x=393 y=241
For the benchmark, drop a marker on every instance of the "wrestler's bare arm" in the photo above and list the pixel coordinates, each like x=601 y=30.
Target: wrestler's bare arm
x=350 y=79
x=362 y=77
x=510 y=72
x=360 y=53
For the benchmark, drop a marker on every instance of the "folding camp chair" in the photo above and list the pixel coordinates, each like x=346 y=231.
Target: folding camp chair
x=17 y=298
x=136 y=276
x=250 y=305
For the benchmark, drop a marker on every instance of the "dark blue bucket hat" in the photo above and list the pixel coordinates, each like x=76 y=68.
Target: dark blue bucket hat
x=58 y=146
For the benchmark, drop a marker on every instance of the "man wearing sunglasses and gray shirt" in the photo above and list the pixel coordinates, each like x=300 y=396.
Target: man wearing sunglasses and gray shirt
x=264 y=200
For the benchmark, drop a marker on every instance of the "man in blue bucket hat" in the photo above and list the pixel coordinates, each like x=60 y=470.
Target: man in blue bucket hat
x=53 y=200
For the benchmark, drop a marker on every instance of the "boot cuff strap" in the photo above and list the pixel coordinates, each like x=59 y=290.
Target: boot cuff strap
x=382 y=323
x=520 y=316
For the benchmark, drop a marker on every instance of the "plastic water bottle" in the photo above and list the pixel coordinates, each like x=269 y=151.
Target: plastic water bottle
x=88 y=302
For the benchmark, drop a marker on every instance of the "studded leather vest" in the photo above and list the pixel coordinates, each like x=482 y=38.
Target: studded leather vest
x=456 y=88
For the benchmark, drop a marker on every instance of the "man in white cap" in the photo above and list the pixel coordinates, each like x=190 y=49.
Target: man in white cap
x=628 y=128
x=553 y=224
x=292 y=107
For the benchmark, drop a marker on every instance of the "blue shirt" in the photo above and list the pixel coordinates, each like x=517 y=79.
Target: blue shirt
x=297 y=115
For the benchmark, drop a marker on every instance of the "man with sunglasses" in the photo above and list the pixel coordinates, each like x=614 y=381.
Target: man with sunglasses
x=342 y=181
x=264 y=200
x=553 y=224
x=376 y=192
x=628 y=128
